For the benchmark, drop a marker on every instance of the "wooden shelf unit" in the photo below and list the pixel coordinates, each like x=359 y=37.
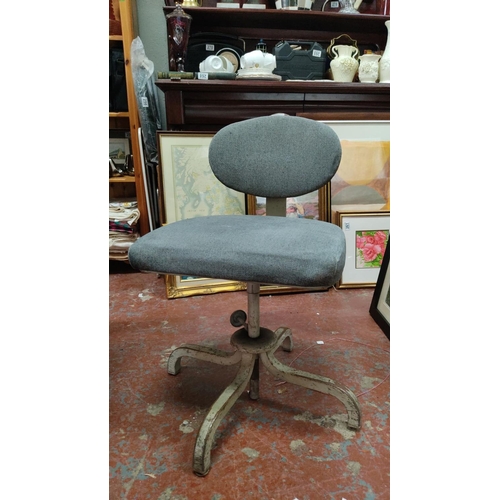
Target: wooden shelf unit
x=274 y=25
x=129 y=120
x=208 y=105
x=127 y=178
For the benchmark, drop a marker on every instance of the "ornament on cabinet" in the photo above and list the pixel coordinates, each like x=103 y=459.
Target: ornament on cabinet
x=344 y=63
x=178 y=28
x=347 y=7
x=368 y=67
x=385 y=60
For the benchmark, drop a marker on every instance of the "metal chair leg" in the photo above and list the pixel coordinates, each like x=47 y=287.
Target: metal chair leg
x=205 y=438
x=254 y=380
x=200 y=352
x=283 y=339
x=316 y=383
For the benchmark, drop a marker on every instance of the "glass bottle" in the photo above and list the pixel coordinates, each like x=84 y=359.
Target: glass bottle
x=178 y=26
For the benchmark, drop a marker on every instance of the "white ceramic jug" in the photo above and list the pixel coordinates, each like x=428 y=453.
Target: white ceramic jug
x=385 y=61
x=344 y=63
x=368 y=68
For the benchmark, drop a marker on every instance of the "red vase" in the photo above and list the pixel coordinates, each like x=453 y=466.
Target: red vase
x=178 y=26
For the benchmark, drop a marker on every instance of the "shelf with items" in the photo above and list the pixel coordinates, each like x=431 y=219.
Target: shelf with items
x=210 y=104
x=125 y=123
x=274 y=25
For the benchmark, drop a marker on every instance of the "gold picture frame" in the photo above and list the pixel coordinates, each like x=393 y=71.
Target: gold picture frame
x=187 y=286
x=364 y=248
x=190 y=189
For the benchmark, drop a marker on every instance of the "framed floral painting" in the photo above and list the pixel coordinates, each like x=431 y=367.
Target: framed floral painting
x=367 y=237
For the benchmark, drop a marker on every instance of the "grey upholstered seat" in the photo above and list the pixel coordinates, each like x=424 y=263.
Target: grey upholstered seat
x=275 y=157
x=275 y=250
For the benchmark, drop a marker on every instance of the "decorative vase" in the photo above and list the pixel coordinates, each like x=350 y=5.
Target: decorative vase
x=344 y=63
x=178 y=26
x=347 y=7
x=368 y=68
x=385 y=61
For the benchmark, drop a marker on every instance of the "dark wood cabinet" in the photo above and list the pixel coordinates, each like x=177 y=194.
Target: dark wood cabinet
x=211 y=104
x=208 y=105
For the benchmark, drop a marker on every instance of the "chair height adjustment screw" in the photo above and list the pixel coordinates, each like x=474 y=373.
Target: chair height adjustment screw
x=238 y=318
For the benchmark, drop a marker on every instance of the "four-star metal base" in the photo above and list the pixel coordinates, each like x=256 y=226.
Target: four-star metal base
x=253 y=344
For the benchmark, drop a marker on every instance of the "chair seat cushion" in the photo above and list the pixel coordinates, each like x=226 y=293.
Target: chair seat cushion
x=262 y=249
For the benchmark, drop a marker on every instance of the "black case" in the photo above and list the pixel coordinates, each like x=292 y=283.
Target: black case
x=307 y=63
x=117 y=82
x=202 y=45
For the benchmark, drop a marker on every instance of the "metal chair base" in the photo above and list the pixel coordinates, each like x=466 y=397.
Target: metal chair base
x=249 y=351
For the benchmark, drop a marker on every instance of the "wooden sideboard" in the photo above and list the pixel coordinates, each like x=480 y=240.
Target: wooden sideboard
x=208 y=105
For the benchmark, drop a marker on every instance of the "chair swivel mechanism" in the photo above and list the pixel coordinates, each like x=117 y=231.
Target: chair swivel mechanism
x=275 y=157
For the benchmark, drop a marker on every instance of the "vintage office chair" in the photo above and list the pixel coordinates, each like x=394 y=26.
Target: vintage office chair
x=275 y=157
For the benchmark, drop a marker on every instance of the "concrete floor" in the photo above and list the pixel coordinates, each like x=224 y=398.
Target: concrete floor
x=292 y=443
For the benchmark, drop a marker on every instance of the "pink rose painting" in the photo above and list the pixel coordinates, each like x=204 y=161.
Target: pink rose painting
x=370 y=248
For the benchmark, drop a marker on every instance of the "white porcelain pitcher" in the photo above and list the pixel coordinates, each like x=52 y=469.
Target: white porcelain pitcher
x=344 y=63
x=368 y=68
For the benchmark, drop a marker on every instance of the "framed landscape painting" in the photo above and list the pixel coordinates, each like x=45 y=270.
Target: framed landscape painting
x=363 y=176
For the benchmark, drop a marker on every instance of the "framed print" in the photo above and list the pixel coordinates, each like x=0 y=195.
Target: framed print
x=367 y=235
x=190 y=189
x=363 y=176
x=119 y=148
x=308 y=206
x=380 y=306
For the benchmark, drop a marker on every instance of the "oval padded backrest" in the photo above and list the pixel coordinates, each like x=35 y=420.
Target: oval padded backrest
x=275 y=156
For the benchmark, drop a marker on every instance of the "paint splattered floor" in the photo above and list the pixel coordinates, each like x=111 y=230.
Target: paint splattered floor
x=292 y=443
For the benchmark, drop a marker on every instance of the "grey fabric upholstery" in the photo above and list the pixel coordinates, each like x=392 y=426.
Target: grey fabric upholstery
x=273 y=250
x=275 y=156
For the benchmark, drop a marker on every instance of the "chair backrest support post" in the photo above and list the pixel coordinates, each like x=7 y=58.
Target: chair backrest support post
x=276 y=206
